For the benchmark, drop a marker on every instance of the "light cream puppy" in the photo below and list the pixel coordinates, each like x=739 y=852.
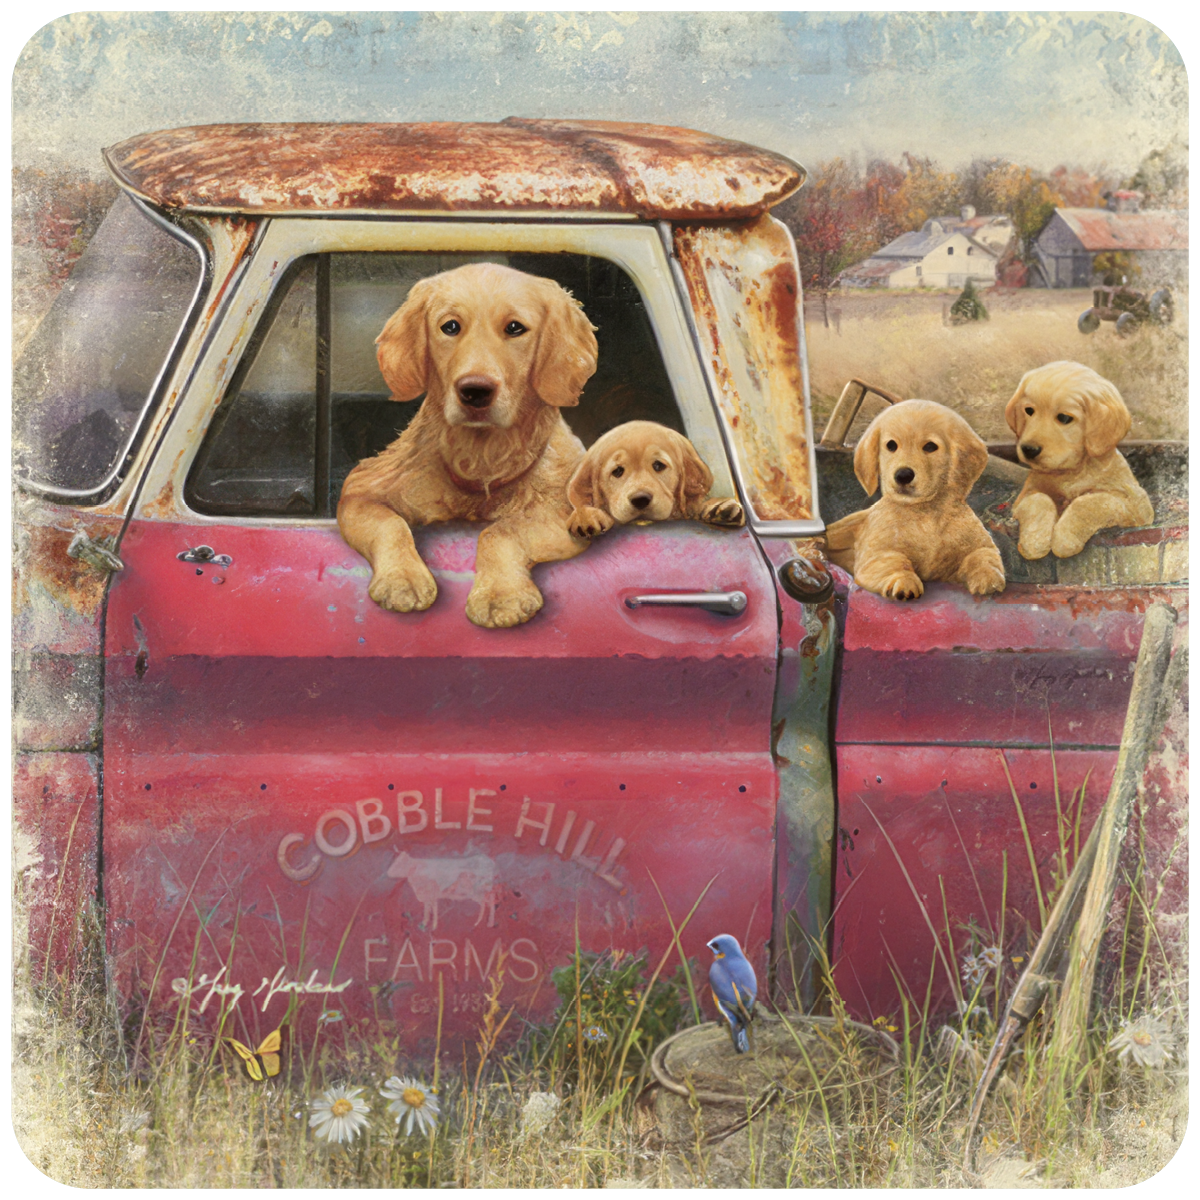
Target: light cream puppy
x=643 y=471
x=925 y=459
x=1068 y=421
x=497 y=353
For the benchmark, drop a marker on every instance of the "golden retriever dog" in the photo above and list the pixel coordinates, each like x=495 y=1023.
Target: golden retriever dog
x=925 y=459
x=642 y=471
x=1068 y=421
x=497 y=353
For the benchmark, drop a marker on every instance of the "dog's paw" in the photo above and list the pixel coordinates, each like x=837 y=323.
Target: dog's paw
x=727 y=513
x=501 y=606
x=588 y=522
x=1067 y=542
x=904 y=585
x=985 y=578
x=1034 y=545
x=408 y=589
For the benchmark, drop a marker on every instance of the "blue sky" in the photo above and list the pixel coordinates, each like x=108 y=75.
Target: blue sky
x=1074 y=88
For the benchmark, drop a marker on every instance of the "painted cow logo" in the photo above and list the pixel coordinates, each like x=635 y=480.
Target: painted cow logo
x=435 y=879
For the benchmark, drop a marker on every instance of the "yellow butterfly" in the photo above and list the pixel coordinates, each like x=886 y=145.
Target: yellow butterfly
x=261 y=1062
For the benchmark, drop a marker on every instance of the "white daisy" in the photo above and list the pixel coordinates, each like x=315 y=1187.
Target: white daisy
x=413 y=1103
x=990 y=957
x=1143 y=1040
x=339 y=1114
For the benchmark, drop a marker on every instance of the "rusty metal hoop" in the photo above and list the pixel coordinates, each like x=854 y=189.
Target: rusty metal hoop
x=658 y=1059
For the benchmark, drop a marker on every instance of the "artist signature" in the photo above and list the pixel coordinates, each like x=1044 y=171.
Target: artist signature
x=275 y=986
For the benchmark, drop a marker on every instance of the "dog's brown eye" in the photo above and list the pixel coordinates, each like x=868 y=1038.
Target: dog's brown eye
x=929 y=447
x=1064 y=418
x=659 y=466
x=1029 y=412
x=618 y=472
x=515 y=329
x=452 y=329
x=891 y=447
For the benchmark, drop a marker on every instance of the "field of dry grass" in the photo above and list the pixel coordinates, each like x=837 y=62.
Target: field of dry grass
x=903 y=342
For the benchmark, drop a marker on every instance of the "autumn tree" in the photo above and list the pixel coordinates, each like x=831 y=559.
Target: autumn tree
x=823 y=220
x=1024 y=194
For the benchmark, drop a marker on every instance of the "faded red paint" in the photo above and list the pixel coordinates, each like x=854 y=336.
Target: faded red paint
x=930 y=693
x=564 y=766
x=953 y=827
x=57 y=609
x=653 y=172
x=56 y=827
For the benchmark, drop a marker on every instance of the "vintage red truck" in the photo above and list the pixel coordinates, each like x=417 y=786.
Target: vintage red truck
x=271 y=789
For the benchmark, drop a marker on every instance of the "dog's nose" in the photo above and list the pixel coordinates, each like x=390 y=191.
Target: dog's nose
x=1030 y=452
x=640 y=500
x=476 y=391
x=905 y=475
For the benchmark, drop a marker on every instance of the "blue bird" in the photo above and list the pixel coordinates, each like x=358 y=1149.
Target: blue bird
x=733 y=987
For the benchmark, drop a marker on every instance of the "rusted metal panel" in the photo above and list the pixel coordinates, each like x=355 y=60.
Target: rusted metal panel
x=517 y=165
x=56 y=838
x=805 y=824
x=288 y=757
x=744 y=287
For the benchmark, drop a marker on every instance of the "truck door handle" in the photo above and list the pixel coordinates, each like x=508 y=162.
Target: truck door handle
x=728 y=603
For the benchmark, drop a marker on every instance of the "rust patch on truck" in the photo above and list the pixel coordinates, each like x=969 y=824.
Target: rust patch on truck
x=517 y=165
x=744 y=286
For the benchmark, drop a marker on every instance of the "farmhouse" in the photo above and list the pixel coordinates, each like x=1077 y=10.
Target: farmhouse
x=944 y=253
x=1066 y=249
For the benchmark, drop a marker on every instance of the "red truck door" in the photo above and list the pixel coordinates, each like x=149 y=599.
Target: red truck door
x=308 y=796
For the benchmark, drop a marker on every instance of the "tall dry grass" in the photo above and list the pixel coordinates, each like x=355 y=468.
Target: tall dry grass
x=184 y=1114
x=902 y=342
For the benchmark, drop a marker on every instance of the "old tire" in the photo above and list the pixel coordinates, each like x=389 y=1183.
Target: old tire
x=1162 y=307
x=1088 y=321
x=1126 y=324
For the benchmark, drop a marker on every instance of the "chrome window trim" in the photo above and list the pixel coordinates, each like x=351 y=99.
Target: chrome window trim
x=633 y=246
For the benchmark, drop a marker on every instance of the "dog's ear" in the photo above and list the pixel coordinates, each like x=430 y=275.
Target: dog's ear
x=695 y=479
x=584 y=487
x=566 y=349
x=1107 y=418
x=1014 y=410
x=866 y=456
x=404 y=346
x=968 y=457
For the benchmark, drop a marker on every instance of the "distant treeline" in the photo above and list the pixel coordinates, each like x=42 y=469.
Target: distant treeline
x=845 y=213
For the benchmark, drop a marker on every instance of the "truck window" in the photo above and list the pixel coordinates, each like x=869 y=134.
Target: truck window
x=308 y=401
x=87 y=381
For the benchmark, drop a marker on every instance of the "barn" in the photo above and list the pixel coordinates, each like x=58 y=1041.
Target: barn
x=1156 y=242
x=944 y=253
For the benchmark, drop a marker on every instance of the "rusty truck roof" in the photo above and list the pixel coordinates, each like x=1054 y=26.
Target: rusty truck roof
x=514 y=166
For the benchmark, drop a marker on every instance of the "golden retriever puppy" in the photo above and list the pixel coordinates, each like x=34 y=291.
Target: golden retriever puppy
x=1068 y=421
x=642 y=471
x=925 y=459
x=497 y=353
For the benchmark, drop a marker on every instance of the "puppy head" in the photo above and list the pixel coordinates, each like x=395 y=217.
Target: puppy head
x=486 y=344
x=918 y=450
x=640 y=471
x=1064 y=413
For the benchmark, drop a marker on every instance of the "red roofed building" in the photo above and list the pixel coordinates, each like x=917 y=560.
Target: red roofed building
x=1066 y=249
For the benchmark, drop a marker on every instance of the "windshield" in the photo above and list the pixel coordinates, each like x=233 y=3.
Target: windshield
x=87 y=379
